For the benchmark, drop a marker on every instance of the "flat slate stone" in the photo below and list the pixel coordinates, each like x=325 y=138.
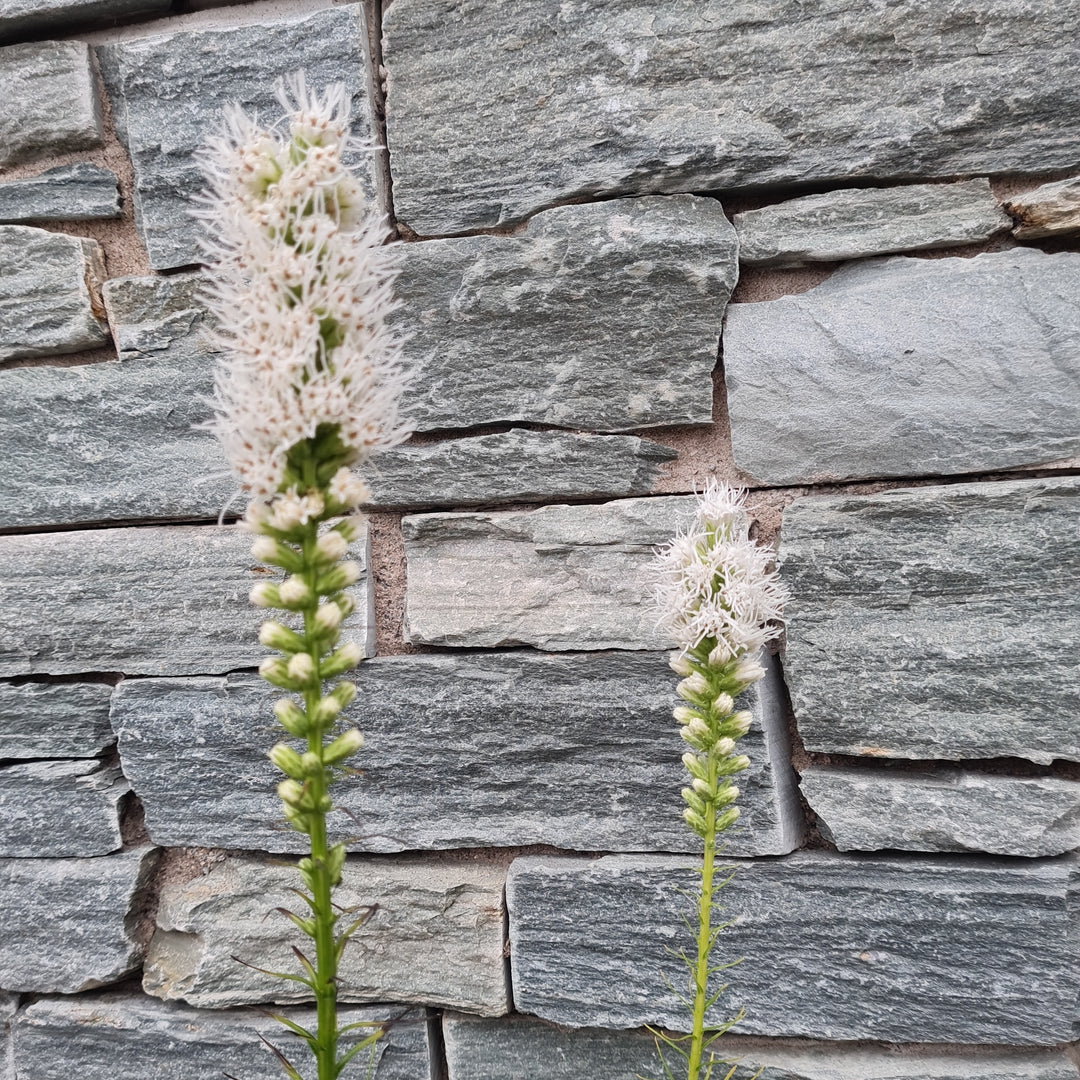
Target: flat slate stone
x=59 y=809
x=69 y=923
x=18 y=17
x=8 y=1004
x=174 y=87
x=54 y=720
x=132 y=1037
x=936 y=622
x=856 y=222
x=79 y=192
x=866 y=947
x=436 y=938
x=504 y=110
x=909 y=367
x=1049 y=210
x=604 y=317
x=946 y=810
x=158 y=600
x=49 y=293
x=195 y=751
x=50 y=100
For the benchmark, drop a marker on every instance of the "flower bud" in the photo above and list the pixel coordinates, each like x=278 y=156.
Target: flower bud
x=310 y=762
x=350 y=528
x=301 y=667
x=265 y=594
x=702 y=787
x=256 y=517
x=720 y=654
x=727 y=819
x=726 y=795
x=723 y=747
x=328 y=618
x=291 y=717
x=290 y=792
x=268 y=550
x=739 y=724
x=287 y=760
x=684 y=715
x=733 y=765
x=344 y=693
x=264 y=548
x=294 y=592
x=275 y=671
x=748 y=670
x=341 y=577
x=695 y=740
x=346 y=603
x=679 y=664
x=275 y=636
x=694 y=765
x=698 y=728
x=343 y=746
x=348 y=656
x=693 y=686
x=694 y=820
x=331 y=546
x=723 y=704
x=693 y=800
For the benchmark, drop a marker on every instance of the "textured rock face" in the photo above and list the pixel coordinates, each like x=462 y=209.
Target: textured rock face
x=604 y=317
x=49 y=301
x=19 y=17
x=895 y=948
x=79 y=192
x=898 y=643
x=195 y=751
x=1049 y=210
x=179 y=83
x=436 y=937
x=67 y=925
x=561 y=577
x=50 y=101
x=152 y=601
x=132 y=1037
x=870 y=375
x=67 y=720
x=856 y=222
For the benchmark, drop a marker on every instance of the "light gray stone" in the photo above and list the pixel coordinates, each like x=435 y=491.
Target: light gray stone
x=19 y=17
x=1049 y=210
x=856 y=222
x=864 y=947
x=69 y=924
x=195 y=751
x=54 y=720
x=604 y=317
x=50 y=301
x=158 y=600
x=175 y=86
x=436 y=936
x=59 y=809
x=50 y=101
x=909 y=367
x=8 y=1004
x=79 y=192
x=133 y=1037
x=936 y=622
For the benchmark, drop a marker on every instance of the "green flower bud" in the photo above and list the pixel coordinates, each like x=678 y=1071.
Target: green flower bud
x=698 y=728
x=301 y=668
x=692 y=687
x=291 y=717
x=702 y=787
x=287 y=760
x=297 y=819
x=290 y=792
x=350 y=527
x=684 y=715
x=346 y=603
x=695 y=766
x=679 y=664
x=724 y=704
x=348 y=656
x=343 y=746
x=341 y=577
x=727 y=819
x=723 y=747
x=730 y=766
x=331 y=546
x=326 y=711
x=310 y=763
x=694 y=800
x=695 y=740
x=276 y=636
x=343 y=693
x=328 y=618
x=294 y=593
x=268 y=550
x=726 y=795
x=335 y=863
x=275 y=671
x=748 y=671
x=695 y=821
x=265 y=594
x=739 y=724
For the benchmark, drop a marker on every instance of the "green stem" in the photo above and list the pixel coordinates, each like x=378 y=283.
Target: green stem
x=701 y=970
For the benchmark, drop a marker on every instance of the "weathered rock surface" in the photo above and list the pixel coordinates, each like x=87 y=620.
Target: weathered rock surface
x=179 y=83
x=69 y=923
x=79 y=192
x=45 y=720
x=59 y=809
x=18 y=17
x=604 y=317
x=194 y=749
x=909 y=367
x=158 y=600
x=8 y=1004
x=936 y=622
x=50 y=101
x=1049 y=210
x=856 y=222
x=49 y=302
x=436 y=936
x=133 y=1037
x=560 y=577
x=894 y=949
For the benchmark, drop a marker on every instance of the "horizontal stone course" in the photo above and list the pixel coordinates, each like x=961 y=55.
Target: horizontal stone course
x=1049 y=210
x=23 y=17
x=79 y=192
x=54 y=720
x=935 y=622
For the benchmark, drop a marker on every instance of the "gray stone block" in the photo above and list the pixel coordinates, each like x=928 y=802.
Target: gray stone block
x=59 y=809
x=857 y=222
x=864 y=947
x=49 y=293
x=158 y=600
x=436 y=936
x=936 y=622
x=69 y=924
x=61 y=720
x=1049 y=210
x=604 y=317
x=19 y=17
x=8 y=1004
x=79 y=192
x=195 y=751
x=909 y=367
x=132 y=1037
x=50 y=101
x=174 y=88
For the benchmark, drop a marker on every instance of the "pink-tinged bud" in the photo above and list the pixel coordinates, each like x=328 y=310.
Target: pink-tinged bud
x=301 y=667
x=265 y=594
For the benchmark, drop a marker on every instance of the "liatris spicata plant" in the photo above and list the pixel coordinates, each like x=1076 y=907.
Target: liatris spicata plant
x=721 y=603
x=300 y=284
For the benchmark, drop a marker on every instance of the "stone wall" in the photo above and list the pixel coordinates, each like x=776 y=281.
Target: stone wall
x=828 y=251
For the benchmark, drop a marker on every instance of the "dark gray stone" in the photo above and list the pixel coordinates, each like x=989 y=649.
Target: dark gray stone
x=79 y=192
x=856 y=222
x=174 y=87
x=50 y=101
x=1049 y=210
x=19 y=17
x=909 y=367
x=936 y=622
x=69 y=924
x=62 y=720
x=436 y=938
x=865 y=947
x=158 y=600
x=49 y=293
x=604 y=317
x=59 y=809
x=195 y=751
